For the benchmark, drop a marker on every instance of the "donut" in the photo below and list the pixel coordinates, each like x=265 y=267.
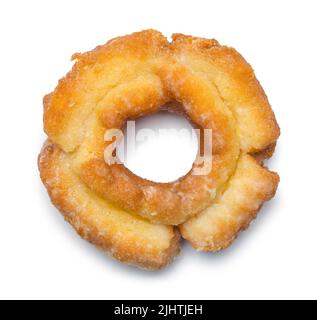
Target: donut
x=142 y=222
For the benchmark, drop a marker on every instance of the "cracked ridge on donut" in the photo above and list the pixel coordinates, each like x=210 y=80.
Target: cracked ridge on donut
x=217 y=227
x=238 y=87
x=128 y=238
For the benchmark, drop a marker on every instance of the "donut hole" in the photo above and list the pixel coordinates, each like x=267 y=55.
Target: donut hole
x=160 y=147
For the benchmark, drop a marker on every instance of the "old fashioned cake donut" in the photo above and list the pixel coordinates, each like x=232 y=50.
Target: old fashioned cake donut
x=138 y=221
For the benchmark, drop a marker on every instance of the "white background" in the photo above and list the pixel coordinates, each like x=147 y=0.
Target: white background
x=41 y=256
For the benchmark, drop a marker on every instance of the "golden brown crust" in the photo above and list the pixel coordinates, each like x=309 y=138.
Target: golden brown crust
x=217 y=227
x=265 y=154
x=131 y=217
x=237 y=86
x=77 y=94
x=126 y=237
